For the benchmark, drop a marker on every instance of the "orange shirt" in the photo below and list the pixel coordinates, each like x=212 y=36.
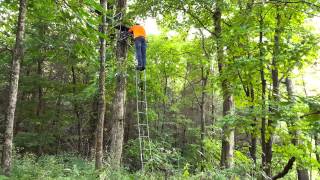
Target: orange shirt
x=138 y=31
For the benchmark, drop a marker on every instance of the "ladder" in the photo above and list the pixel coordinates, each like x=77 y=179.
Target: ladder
x=142 y=118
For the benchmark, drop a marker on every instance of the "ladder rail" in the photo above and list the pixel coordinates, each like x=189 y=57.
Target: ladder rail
x=146 y=107
x=142 y=118
x=138 y=119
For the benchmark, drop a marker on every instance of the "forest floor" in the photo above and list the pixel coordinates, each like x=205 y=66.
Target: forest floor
x=69 y=167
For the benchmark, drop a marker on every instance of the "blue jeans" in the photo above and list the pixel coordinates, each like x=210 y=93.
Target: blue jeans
x=140 y=44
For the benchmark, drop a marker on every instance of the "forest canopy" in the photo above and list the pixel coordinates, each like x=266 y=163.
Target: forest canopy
x=230 y=89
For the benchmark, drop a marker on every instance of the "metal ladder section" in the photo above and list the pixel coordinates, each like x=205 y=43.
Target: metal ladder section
x=142 y=118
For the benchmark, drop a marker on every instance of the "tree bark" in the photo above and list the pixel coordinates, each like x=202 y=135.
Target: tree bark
x=248 y=88
x=263 y=93
x=120 y=96
x=303 y=173
x=228 y=104
x=249 y=92
x=76 y=110
x=101 y=98
x=39 y=109
x=164 y=101
x=40 y=91
x=285 y=170
x=253 y=143
x=92 y=129
x=275 y=94
x=317 y=143
x=15 y=72
x=204 y=78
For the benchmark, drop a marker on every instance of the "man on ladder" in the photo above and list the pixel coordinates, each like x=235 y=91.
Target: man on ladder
x=139 y=35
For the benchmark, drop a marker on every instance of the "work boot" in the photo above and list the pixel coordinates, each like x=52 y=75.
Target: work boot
x=138 y=68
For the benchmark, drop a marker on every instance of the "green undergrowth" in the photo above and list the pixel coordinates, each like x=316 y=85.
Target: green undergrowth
x=69 y=167
x=49 y=167
x=65 y=167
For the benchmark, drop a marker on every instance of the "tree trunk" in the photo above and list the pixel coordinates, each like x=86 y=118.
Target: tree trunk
x=164 y=102
x=285 y=170
x=76 y=110
x=40 y=92
x=275 y=94
x=202 y=112
x=213 y=106
x=253 y=143
x=263 y=94
x=249 y=92
x=228 y=133
x=317 y=144
x=55 y=121
x=120 y=96
x=91 y=149
x=39 y=108
x=101 y=98
x=15 y=71
x=303 y=173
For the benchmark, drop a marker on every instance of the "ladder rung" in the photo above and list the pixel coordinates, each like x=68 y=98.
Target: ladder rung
x=146 y=158
x=144 y=139
x=144 y=136
x=143 y=124
x=146 y=143
x=146 y=150
x=143 y=132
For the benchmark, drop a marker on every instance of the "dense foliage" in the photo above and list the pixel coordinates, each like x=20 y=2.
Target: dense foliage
x=222 y=77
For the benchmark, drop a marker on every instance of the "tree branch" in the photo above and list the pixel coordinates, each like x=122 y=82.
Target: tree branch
x=243 y=85
x=191 y=84
x=203 y=45
x=309 y=114
x=198 y=19
x=285 y=169
x=285 y=74
x=195 y=17
x=291 y=2
x=3 y=49
x=295 y=2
